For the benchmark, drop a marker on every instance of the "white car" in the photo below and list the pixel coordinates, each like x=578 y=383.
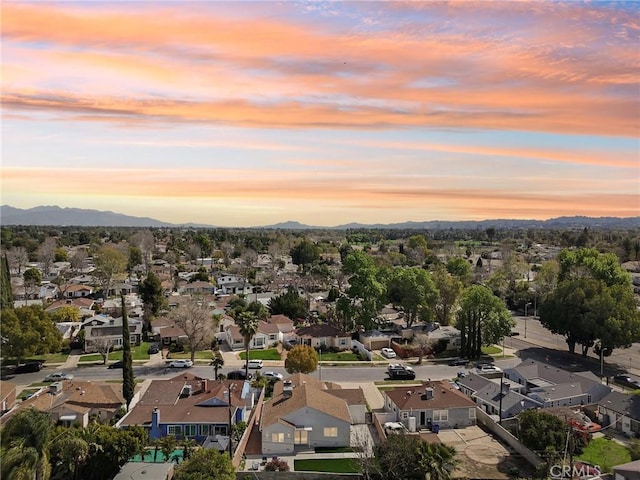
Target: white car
x=388 y=352
x=394 y=427
x=181 y=364
x=56 y=377
x=488 y=369
x=275 y=376
x=255 y=363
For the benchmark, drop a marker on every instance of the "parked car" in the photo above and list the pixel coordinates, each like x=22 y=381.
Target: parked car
x=275 y=376
x=58 y=376
x=456 y=362
x=488 y=369
x=398 y=371
x=29 y=367
x=238 y=375
x=181 y=364
x=388 y=352
x=255 y=363
x=626 y=381
x=154 y=349
x=394 y=427
x=118 y=364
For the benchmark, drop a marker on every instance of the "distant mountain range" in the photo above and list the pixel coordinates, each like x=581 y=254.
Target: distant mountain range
x=57 y=216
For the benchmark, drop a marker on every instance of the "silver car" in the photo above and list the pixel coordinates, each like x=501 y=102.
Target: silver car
x=58 y=376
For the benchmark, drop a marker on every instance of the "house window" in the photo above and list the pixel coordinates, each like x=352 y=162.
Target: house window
x=174 y=430
x=301 y=437
x=258 y=342
x=343 y=341
x=190 y=430
x=405 y=415
x=277 y=437
x=441 y=415
x=330 y=432
x=472 y=413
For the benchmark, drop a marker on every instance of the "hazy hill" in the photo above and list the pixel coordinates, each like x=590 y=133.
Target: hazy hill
x=57 y=216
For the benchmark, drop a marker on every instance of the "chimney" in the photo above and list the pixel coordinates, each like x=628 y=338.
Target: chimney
x=205 y=385
x=55 y=388
x=155 y=423
x=287 y=388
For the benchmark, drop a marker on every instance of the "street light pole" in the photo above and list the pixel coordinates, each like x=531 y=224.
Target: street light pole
x=526 y=305
x=227 y=394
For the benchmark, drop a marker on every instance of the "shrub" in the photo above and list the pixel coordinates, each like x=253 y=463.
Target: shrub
x=277 y=465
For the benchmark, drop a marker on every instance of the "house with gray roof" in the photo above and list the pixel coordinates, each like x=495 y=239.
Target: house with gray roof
x=555 y=387
x=486 y=393
x=621 y=411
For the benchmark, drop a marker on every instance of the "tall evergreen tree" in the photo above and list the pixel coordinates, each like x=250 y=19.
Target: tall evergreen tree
x=152 y=298
x=128 y=383
x=6 y=294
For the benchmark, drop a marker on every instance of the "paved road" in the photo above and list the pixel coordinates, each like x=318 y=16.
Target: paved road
x=622 y=359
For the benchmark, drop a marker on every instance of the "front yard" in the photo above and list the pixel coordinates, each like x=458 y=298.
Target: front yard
x=268 y=354
x=137 y=353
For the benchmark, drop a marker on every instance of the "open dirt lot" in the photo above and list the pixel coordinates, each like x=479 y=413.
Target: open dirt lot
x=480 y=456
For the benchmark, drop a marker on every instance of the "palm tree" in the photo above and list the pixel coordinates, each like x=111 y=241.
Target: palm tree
x=25 y=445
x=217 y=363
x=248 y=324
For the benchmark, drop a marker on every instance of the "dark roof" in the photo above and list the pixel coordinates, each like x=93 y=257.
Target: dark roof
x=444 y=396
x=321 y=330
x=624 y=403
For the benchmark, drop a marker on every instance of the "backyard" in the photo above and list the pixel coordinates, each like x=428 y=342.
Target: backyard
x=605 y=453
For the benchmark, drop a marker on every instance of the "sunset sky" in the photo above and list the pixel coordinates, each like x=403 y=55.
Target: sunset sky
x=253 y=113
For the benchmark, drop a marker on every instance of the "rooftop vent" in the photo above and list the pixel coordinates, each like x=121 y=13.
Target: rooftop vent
x=428 y=393
x=186 y=391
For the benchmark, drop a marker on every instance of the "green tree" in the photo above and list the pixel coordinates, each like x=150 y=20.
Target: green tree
x=32 y=280
x=167 y=446
x=593 y=301
x=68 y=313
x=28 y=331
x=152 y=297
x=135 y=258
x=413 y=289
x=483 y=319
x=69 y=452
x=366 y=293
x=289 y=303
x=301 y=359
x=461 y=269
x=407 y=457
x=305 y=254
x=25 y=446
x=449 y=290
x=6 y=293
x=248 y=325
x=205 y=464
x=128 y=381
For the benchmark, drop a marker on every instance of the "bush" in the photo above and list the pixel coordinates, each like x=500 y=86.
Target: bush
x=277 y=465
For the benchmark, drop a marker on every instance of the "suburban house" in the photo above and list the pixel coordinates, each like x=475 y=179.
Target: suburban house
x=7 y=396
x=197 y=288
x=374 y=339
x=621 y=411
x=323 y=335
x=77 y=291
x=303 y=414
x=229 y=284
x=84 y=306
x=188 y=406
x=432 y=405
x=486 y=392
x=71 y=401
x=554 y=387
x=101 y=329
x=277 y=328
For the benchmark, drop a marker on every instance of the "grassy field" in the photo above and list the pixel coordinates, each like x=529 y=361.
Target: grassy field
x=491 y=350
x=339 y=357
x=268 y=354
x=605 y=453
x=333 y=465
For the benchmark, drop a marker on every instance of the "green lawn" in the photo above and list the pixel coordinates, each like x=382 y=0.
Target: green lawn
x=333 y=465
x=605 y=453
x=137 y=353
x=269 y=354
x=200 y=355
x=47 y=357
x=491 y=350
x=339 y=357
